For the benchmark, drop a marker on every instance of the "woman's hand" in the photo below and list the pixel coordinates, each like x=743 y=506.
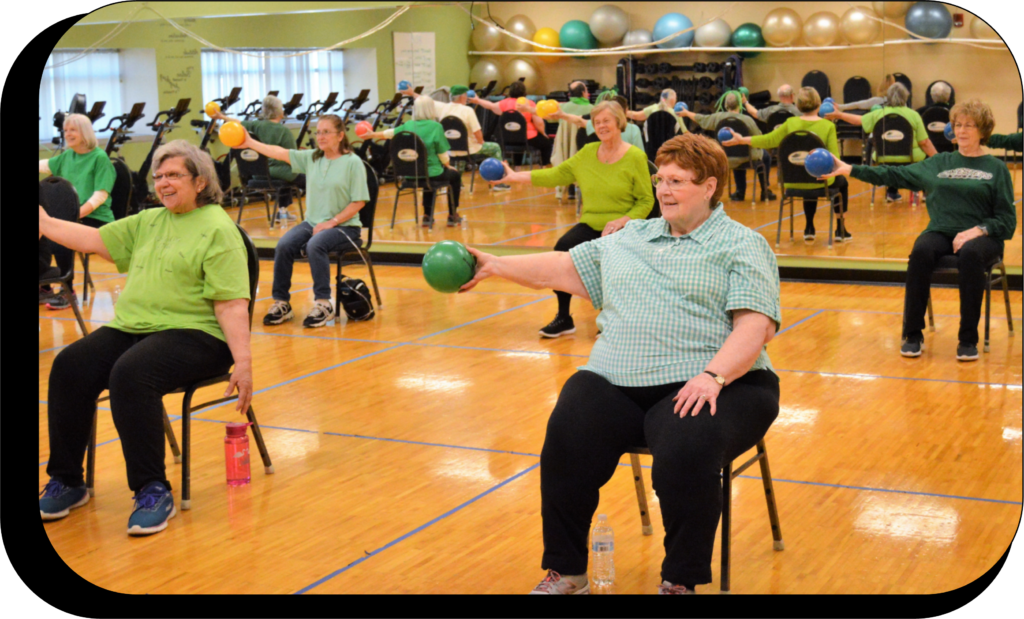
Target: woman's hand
x=841 y=169
x=615 y=225
x=735 y=140
x=43 y=220
x=485 y=266
x=241 y=379
x=834 y=116
x=247 y=142
x=964 y=237
x=323 y=225
x=695 y=393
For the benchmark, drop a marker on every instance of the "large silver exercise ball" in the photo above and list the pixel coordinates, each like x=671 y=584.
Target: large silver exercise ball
x=981 y=30
x=517 y=68
x=638 y=37
x=521 y=25
x=929 y=20
x=609 y=24
x=892 y=10
x=716 y=33
x=821 y=29
x=859 y=25
x=484 y=71
x=486 y=37
x=781 y=27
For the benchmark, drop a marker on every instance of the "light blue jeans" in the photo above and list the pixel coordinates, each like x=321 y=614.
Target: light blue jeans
x=290 y=247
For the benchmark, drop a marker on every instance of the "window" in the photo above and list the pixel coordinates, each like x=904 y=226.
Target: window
x=97 y=76
x=315 y=75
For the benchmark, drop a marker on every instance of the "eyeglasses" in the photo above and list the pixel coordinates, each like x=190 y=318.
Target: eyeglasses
x=171 y=176
x=672 y=184
x=323 y=133
x=964 y=126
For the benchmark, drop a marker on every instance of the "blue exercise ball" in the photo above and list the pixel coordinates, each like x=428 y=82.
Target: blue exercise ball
x=724 y=134
x=826 y=108
x=673 y=22
x=929 y=20
x=492 y=170
x=471 y=94
x=948 y=132
x=819 y=162
x=681 y=106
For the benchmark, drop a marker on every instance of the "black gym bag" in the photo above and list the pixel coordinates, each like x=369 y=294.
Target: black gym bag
x=354 y=297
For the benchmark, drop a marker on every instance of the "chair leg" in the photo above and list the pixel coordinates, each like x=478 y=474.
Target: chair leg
x=257 y=435
x=87 y=279
x=302 y=211
x=831 y=221
x=68 y=292
x=641 y=495
x=988 y=307
x=270 y=212
x=726 y=523
x=769 y=495
x=373 y=278
x=241 y=207
x=169 y=431
x=394 y=211
x=778 y=231
x=931 y=315
x=1006 y=298
x=90 y=461
x=186 y=450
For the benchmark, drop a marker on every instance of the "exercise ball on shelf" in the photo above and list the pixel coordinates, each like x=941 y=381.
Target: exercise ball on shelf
x=821 y=29
x=484 y=71
x=576 y=34
x=891 y=10
x=638 y=37
x=748 y=35
x=522 y=26
x=609 y=24
x=859 y=26
x=549 y=37
x=715 y=33
x=519 y=67
x=781 y=27
x=929 y=20
x=486 y=37
x=671 y=23
x=981 y=30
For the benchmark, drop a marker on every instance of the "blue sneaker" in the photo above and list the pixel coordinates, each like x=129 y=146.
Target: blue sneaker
x=57 y=499
x=154 y=506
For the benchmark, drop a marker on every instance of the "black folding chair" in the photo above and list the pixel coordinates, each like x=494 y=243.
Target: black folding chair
x=903 y=79
x=659 y=128
x=856 y=88
x=356 y=255
x=935 y=120
x=488 y=122
x=409 y=162
x=951 y=264
x=187 y=408
x=254 y=168
x=929 y=102
x=743 y=151
x=60 y=201
x=818 y=81
x=656 y=211
x=458 y=139
x=893 y=136
x=777 y=118
x=120 y=198
x=792 y=152
x=512 y=137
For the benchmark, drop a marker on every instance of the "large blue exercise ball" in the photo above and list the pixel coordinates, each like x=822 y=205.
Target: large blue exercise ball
x=930 y=20
x=670 y=23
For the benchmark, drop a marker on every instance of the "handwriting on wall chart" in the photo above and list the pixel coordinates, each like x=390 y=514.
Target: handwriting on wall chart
x=414 y=59
x=180 y=60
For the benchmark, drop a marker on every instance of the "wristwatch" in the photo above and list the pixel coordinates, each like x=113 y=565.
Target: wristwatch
x=718 y=379
x=983 y=228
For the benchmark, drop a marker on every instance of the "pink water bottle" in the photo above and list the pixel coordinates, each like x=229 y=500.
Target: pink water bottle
x=236 y=454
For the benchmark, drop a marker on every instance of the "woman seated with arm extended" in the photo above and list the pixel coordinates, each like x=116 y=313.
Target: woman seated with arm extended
x=688 y=302
x=535 y=130
x=867 y=104
x=183 y=317
x=972 y=215
x=807 y=101
x=631 y=135
x=616 y=185
x=336 y=191
x=666 y=103
x=86 y=166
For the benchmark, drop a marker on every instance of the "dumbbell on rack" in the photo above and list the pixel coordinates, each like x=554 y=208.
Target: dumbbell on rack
x=669 y=68
x=643 y=82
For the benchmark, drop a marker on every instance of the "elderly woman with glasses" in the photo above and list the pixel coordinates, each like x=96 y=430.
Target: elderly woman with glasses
x=336 y=189
x=183 y=316
x=971 y=215
x=688 y=302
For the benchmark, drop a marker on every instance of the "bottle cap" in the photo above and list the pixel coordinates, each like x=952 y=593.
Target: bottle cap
x=237 y=429
x=602 y=516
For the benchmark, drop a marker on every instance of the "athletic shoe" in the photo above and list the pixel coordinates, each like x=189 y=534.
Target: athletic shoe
x=894 y=197
x=912 y=348
x=736 y=197
x=57 y=499
x=558 y=193
x=843 y=234
x=279 y=312
x=60 y=302
x=771 y=196
x=667 y=588
x=427 y=222
x=286 y=215
x=809 y=232
x=501 y=187
x=45 y=295
x=561 y=325
x=554 y=584
x=454 y=221
x=966 y=352
x=154 y=506
x=321 y=313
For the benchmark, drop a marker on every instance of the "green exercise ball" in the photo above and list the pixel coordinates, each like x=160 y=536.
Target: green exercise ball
x=748 y=35
x=576 y=34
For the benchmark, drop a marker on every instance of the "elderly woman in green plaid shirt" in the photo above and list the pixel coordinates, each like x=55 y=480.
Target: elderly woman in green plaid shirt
x=688 y=302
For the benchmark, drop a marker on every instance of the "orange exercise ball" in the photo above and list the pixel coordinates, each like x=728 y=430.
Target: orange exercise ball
x=212 y=108
x=232 y=134
x=546 y=108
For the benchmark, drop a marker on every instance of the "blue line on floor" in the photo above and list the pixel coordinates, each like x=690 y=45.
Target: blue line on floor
x=509 y=294
x=801 y=213
x=408 y=442
x=799 y=322
x=325 y=337
x=932 y=380
x=511 y=309
x=870 y=489
x=414 y=531
x=54 y=348
x=523 y=352
x=516 y=238
x=102 y=322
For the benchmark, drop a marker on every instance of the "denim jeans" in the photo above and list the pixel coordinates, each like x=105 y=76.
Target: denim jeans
x=290 y=246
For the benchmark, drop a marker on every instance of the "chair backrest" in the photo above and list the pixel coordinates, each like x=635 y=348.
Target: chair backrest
x=512 y=129
x=457 y=134
x=659 y=128
x=121 y=194
x=935 y=120
x=59 y=198
x=368 y=213
x=903 y=79
x=856 y=88
x=251 y=165
x=738 y=126
x=408 y=157
x=929 y=102
x=656 y=211
x=893 y=137
x=253 y=262
x=818 y=81
x=792 y=152
x=776 y=118
x=488 y=122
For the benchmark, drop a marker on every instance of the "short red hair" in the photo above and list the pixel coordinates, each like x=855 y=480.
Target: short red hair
x=700 y=155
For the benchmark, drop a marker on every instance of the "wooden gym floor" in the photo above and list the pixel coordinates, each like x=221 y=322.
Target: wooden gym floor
x=406 y=448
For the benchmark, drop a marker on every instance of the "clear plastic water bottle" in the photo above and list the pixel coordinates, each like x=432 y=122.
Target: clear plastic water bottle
x=282 y=217
x=602 y=544
x=116 y=295
x=236 y=454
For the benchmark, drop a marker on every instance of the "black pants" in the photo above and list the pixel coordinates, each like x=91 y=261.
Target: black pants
x=50 y=251
x=592 y=425
x=139 y=370
x=543 y=144
x=739 y=176
x=284 y=194
x=454 y=180
x=811 y=206
x=580 y=233
x=973 y=258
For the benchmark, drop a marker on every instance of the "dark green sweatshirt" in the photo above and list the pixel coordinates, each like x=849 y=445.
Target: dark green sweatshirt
x=1014 y=141
x=963 y=192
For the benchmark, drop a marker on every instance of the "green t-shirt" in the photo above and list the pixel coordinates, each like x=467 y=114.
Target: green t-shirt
x=869 y=120
x=432 y=134
x=824 y=129
x=278 y=135
x=177 y=266
x=612 y=190
x=331 y=184
x=963 y=192
x=88 y=174
x=1014 y=141
x=650 y=109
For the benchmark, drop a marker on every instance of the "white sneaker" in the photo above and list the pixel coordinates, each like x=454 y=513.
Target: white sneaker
x=321 y=314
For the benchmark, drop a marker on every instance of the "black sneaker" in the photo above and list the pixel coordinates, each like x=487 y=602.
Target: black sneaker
x=966 y=352
x=279 y=312
x=771 y=197
x=45 y=295
x=736 y=197
x=454 y=221
x=809 y=232
x=427 y=222
x=913 y=348
x=561 y=325
x=843 y=234
x=321 y=314
x=893 y=197
x=61 y=302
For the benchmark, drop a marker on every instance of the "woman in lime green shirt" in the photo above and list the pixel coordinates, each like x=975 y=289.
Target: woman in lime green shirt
x=808 y=101
x=615 y=181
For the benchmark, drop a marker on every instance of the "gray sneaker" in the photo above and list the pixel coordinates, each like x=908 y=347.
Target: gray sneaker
x=279 y=312
x=667 y=588
x=554 y=584
x=912 y=348
x=57 y=500
x=320 y=315
x=967 y=352
x=501 y=187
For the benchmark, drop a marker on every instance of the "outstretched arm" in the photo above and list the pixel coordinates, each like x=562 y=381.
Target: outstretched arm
x=551 y=270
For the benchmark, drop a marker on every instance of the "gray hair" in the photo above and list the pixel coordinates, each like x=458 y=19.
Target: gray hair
x=785 y=91
x=667 y=94
x=940 y=92
x=198 y=163
x=897 y=95
x=732 y=101
x=423 y=109
x=82 y=123
x=272 y=108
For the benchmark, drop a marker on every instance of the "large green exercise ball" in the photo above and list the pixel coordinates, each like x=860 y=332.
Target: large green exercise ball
x=576 y=34
x=748 y=35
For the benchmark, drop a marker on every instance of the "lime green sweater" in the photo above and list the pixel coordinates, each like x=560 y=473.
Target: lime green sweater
x=824 y=129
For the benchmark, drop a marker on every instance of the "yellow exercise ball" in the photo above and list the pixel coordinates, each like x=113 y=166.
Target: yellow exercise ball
x=522 y=26
x=859 y=26
x=519 y=67
x=486 y=37
x=981 y=30
x=781 y=27
x=821 y=29
x=546 y=36
x=892 y=10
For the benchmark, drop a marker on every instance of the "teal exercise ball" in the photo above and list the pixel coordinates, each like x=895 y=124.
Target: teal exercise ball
x=748 y=35
x=671 y=23
x=577 y=35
